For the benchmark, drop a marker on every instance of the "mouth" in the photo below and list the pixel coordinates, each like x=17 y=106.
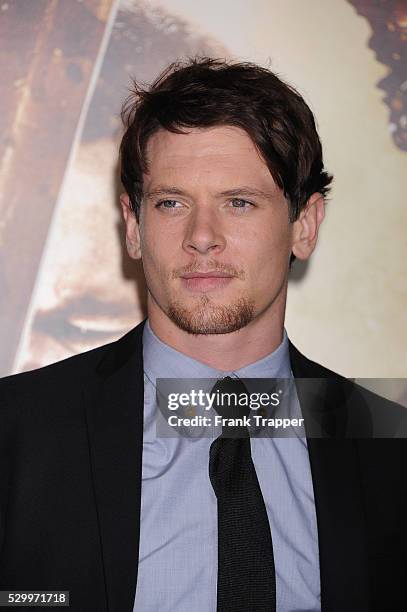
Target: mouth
x=205 y=281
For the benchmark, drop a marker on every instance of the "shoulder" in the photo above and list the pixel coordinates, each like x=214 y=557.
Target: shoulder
x=65 y=378
x=368 y=414
x=74 y=369
x=31 y=401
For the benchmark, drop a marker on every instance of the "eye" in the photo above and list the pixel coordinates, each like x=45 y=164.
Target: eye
x=241 y=204
x=163 y=204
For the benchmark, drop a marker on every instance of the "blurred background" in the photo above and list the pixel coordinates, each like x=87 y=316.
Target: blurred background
x=66 y=282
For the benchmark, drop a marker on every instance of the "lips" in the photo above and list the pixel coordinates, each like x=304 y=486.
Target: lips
x=205 y=281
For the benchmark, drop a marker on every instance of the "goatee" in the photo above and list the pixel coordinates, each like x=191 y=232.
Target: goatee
x=207 y=318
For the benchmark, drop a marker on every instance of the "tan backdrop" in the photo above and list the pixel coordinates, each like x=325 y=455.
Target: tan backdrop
x=66 y=282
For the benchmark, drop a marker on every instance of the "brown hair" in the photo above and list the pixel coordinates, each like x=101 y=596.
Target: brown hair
x=204 y=92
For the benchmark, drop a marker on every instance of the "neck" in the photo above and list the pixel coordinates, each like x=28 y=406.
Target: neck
x=230 y=351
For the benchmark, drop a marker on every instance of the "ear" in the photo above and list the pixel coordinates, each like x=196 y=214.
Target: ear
x=305 y=228
x=132 y=228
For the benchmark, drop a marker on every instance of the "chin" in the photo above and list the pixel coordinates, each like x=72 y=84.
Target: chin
x=210 y=319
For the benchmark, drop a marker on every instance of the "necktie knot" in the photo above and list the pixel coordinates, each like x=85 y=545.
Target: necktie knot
x=231 y=398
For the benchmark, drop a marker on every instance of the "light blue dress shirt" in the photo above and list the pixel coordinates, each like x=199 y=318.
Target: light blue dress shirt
x=178 y=530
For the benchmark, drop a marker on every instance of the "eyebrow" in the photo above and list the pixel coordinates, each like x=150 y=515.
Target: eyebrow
x=164 y=190
x=243 y=190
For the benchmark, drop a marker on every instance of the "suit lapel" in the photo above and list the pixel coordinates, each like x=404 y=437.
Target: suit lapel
x=337 y=488
x=114 y=402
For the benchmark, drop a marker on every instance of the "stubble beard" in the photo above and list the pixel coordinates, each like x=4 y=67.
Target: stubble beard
x=207 y=318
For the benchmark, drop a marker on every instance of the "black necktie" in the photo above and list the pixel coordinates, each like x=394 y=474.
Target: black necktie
x=246 y=573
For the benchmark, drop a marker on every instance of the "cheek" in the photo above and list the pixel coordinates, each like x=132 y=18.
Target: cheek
x=157 y=243
x=149 y=240
x=267 y=248
x=268 y=268
x=158 y=257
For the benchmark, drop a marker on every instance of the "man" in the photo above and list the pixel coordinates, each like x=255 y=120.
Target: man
x=225 y=186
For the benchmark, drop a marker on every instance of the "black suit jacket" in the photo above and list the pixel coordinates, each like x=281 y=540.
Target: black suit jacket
x=70 y=483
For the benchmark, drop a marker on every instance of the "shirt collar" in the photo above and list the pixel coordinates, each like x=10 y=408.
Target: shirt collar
x=163 y=361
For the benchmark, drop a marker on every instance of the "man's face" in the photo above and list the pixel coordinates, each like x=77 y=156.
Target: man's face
x=211 y=205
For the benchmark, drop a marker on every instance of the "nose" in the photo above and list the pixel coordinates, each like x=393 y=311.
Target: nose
x=203 y=233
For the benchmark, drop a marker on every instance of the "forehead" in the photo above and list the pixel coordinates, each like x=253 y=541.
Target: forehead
x=221 y=152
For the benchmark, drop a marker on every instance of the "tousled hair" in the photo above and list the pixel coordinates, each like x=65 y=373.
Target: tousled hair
x=204 y=92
